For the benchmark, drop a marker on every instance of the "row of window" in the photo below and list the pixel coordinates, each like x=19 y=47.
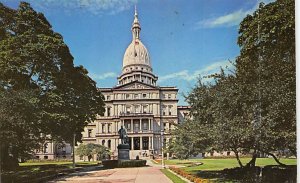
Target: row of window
x=140 y=96
x=136 y=126
x=106 y=128
x=166 y=110
x=108 y=144
x=138 y=68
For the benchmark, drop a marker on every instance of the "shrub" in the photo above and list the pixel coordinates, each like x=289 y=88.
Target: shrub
x=279 y=173
x=188 y=176
x=123 y=163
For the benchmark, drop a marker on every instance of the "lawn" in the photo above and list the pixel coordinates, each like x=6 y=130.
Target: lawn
x=220 y=164
x=213 y=169
x=35 y=170
x=63 y=163
x=173 y=177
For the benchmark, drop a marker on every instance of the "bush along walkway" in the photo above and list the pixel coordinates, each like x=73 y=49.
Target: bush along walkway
x=172 y=176
x=187 y=177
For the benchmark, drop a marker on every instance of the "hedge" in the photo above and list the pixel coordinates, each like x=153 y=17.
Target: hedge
x=123 y=163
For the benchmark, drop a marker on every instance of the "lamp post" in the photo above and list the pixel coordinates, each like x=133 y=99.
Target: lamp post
x=162 y=149
x=0 y=162
x=73 y=148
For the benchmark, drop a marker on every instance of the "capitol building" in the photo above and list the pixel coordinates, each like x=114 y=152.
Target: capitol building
x=147 y=111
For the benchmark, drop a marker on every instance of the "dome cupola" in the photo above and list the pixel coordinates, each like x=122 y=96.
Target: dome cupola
x=136 y=60
x=136 y=55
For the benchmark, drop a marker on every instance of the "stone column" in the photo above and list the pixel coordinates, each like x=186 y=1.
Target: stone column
x=131 y=125
x=140 y=124
x=52 y=148
x=152 y=145
x=152 y=124
x=131 y=143
x=141 y=143
x=149 y=142
x=149 y=124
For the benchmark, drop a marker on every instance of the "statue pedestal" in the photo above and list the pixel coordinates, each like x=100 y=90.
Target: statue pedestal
x=123 y=151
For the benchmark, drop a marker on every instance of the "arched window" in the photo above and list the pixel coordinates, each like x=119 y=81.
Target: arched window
x=46 y=148
x=103 y=142
x=109 y=144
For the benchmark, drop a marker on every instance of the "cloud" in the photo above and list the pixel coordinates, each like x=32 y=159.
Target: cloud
x=92 y=6
x=228 y=20
x=190 y=76
x=102 y=76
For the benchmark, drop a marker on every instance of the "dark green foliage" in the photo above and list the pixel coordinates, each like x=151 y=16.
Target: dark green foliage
x=50 y=94
x=89 y=150
x=252 y=108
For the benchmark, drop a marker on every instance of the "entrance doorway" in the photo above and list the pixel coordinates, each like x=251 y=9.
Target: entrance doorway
x=145 y=143
x=136 y=143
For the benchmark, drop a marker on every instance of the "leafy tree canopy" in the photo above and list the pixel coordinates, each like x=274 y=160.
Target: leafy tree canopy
x=56 y=97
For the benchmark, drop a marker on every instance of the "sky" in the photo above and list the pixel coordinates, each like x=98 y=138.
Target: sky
x=185 y=39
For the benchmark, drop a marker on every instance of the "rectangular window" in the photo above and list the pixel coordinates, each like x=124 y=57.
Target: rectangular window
x=128 y=110
x=107 y=97
x=170 y=110
x=145 y=126
x=169 y=96
x=89 y=132
x=127 y=96
x=109 y=128
x=144 y=95
x=136 y=96
x=144 y=109
x=103 y=128
x=127 y=126
x=108 y=111
x=136 y=127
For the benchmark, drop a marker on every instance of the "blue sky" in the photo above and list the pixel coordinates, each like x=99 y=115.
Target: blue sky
x=185 y=39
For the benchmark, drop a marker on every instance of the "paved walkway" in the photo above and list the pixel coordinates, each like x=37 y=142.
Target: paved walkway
x=149 y=174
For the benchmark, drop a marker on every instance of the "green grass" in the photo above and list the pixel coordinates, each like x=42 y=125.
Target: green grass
x=35 y=170
x=173 y=177
x=57 y=163
x=220 y=164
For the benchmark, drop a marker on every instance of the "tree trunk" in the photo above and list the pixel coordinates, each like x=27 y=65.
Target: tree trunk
x=293 y=151
x=276 y=159
x=238 y=158
x=251 y=163
x=0 y=162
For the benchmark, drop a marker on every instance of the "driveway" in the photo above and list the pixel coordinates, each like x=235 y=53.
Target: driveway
x=148 y=174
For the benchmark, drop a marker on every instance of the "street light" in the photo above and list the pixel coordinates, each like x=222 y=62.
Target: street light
x=162 y=149
x=73 y=149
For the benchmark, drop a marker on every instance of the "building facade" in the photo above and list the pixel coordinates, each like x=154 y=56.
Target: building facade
x=147 y=111
x=53 y=150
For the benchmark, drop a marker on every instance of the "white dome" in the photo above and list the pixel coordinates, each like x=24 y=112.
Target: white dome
x=136 y=54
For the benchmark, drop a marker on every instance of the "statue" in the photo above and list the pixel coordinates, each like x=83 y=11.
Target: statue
x=123 y=135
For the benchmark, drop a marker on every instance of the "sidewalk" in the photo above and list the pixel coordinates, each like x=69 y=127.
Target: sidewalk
x=149 y=174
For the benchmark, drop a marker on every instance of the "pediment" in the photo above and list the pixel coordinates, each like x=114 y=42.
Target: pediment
x=135 y=85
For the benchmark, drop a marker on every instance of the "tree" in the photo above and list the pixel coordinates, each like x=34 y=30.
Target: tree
x=253 y=108
x=34 y=58
x=17 y=135
x=267 y=62
x=89 y=150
